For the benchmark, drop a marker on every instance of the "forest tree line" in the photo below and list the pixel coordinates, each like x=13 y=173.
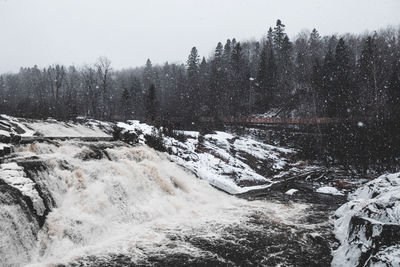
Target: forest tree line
x=310 y=76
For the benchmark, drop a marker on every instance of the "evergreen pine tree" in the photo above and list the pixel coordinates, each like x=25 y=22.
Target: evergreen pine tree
x=136 y=101
x=148 y=74
x=329 y=94
x=151 y=104
x=344 y=88
x=216 y=81
x=271 y=78
x=270 y=37
x=393 y=89
x=227 y=53
x=239 y=82
x=279 y=35
x=262 y=79
x=286 y=69
x=192 y=103
x=125 y=103
x=204 y=93
x=367 y=77
x=315 y=48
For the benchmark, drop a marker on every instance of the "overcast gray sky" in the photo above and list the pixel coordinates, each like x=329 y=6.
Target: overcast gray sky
x=128 y=32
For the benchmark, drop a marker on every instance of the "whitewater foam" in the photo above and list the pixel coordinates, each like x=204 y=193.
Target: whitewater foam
x=129 y=202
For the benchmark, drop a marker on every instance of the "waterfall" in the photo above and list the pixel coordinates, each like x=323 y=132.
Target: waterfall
x=104 y=199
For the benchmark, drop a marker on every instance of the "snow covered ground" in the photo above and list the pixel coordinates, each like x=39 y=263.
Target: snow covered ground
x=368 y=226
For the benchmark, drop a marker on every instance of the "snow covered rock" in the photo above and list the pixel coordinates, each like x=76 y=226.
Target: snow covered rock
x=329 y=191
x=14 y=175
x=368 y=226
x=290 y=192
x=12 y=129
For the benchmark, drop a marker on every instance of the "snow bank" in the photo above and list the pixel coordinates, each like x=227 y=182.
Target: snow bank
x=368 y=226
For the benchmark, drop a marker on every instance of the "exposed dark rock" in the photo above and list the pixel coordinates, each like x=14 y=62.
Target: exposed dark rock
x=32 y=165
x=5 y=150
x=5 y=139
x=156 y=142
x=129 y=137
x=15 y=139
x=94 y=152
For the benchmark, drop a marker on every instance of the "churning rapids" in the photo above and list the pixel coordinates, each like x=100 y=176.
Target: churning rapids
x=112 y=204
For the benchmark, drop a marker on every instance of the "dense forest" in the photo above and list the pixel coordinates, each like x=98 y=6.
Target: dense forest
x=338 y=76
x=311 y=76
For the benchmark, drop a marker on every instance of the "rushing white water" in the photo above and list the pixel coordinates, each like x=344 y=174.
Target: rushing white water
x=17 y=231
x=127 y=203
